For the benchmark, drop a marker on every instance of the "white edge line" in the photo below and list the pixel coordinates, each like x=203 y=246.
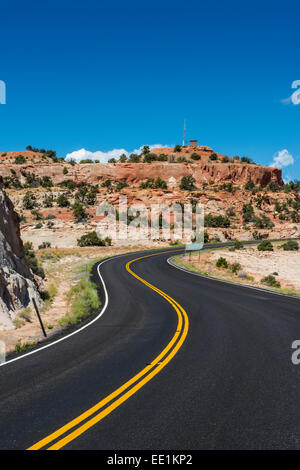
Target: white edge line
x=76 y=331
x=232 y=283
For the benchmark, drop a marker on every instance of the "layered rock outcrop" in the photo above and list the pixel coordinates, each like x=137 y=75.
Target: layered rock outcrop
x=135 y=173
x=17 y=285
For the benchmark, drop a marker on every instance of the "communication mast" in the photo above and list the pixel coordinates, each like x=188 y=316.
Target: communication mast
x=184 y=127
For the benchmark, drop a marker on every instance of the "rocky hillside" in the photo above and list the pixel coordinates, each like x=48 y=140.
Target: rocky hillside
x=172 y=170
x=17 y=284
x=57 y=200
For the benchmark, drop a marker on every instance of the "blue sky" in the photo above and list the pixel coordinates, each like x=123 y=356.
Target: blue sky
x=104 y=75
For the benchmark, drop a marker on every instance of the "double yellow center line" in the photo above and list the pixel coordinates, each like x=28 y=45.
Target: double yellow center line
x=119 y=396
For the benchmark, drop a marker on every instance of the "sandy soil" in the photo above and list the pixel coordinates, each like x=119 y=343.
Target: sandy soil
x=258 y=264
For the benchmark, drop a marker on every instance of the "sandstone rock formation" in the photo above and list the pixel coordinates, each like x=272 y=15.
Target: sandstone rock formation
x=17 y=285
x=135 y=173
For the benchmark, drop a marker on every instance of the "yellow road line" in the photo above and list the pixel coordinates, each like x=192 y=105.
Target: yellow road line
x=182 y=329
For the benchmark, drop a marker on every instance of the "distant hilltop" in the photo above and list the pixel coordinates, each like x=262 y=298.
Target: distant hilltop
x=200 y=162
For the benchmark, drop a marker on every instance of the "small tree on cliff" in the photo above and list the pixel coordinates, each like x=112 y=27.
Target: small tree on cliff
x=187 y=183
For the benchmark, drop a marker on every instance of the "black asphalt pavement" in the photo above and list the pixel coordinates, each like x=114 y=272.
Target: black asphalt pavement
x=231 y=385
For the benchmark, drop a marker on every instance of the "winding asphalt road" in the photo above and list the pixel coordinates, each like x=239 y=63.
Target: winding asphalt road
x=183 y=363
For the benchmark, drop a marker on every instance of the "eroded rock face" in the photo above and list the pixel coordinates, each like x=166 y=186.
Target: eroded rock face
x=135 y=173
x=17 y=285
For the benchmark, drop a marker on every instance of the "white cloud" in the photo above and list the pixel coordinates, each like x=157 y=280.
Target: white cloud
x=103 y=157
x=282 y=158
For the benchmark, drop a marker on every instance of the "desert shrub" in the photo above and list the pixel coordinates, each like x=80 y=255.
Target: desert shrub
x=235 y=267
x=79 y=211
x=226 y=187
x=36 y=214
x=160 y=184
x=187 y=183
x=177 y=148
x=290 y=245
x=23 y=347
x=222 y=263
x=38 y=225
x=62 y=201
x=248 y=212
x=44 y=245
x=246 y=160
x=121 y=185
x=248 y=186
x=112 y=160
x=270 y=281
x=213 y=157
x=195 y=156
x=65 y=170
x=225 y=160
x=274 y=187
x=256 y=235
x=134 y=158
x=32 y=260
x=162 y=157
x=150 y=157
x=46 y=182
x=29 y=200
x=69 y=184
x=295 y=217
x=262 y=222
x=216 y=221
x=50 y=216
x=238 y=245
x=265 y=245
x=48 y=201
x=123 y=158
x=106 y=183
x=12 y=182
x=20 y=159
x=91 y=196
x=92 y=239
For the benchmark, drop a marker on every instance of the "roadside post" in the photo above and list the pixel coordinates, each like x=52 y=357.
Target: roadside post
x=39 y=317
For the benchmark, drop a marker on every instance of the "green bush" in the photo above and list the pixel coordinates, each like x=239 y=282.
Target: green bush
x=235 y=267
x=62 y=201
x=246 y=160
x=92 y=239
x=69 y=184
x=20 y=159
x=195 y=156
x=290 y=245
x=187 y=183
x=79 y=212
x=213 y=157
x=222 y=263
x=32 y=260
x=238 y=245
x=248 y=186
x=265 y=245
x=121 y=185
x=29 y=200
x=216 y=221
x=270 y=281
x=177 y=148
x=248 y=212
